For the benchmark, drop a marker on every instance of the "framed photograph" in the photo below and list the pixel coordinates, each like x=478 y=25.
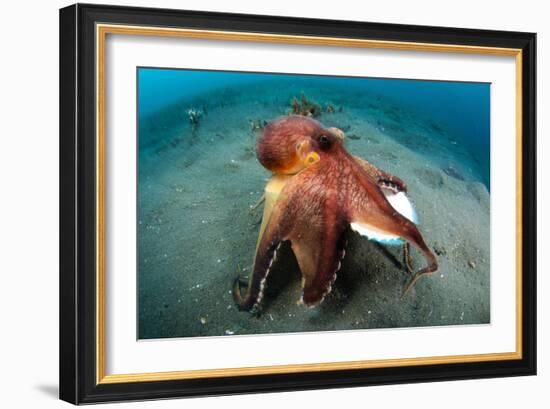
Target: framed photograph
x=256 y=203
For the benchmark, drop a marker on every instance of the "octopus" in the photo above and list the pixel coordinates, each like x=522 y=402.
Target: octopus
x=317 y=191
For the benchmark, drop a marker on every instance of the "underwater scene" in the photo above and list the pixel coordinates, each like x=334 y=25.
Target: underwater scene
x=280 y=203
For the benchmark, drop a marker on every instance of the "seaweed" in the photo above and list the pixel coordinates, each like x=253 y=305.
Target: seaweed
x=305 y=106
x=194 y=116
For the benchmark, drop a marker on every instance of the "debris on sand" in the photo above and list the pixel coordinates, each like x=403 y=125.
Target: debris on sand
x=453 y=172
x=430 y=177
x=439 y=249
x=257 y=124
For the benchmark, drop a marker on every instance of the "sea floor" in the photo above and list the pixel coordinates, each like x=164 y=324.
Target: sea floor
x=197 y=231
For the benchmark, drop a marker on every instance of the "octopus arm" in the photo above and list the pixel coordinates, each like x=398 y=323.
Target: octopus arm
x=270 y=237
x=266 y=253
x=383 y=179
x=317 y=233
x=370 y=213
x=304 y=214
x=318 y=263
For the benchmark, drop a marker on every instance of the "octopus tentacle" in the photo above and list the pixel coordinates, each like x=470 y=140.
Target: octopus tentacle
x=314 y=200
x=314 y=230
x=427 y=270
x=317 y=283
x=392 y=183
x=257 y=282
x=418 y=241
x=319 y=250
x=274 y=226
x=402 y=227
x=388 y=221
x=407 y=257
x=370 y=209
x=383 y=179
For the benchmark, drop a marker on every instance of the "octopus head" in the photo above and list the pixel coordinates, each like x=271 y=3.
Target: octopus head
x=292 y=143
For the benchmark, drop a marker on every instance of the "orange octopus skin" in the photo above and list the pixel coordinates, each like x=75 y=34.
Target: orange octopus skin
x=317 y=204
x=276 y=148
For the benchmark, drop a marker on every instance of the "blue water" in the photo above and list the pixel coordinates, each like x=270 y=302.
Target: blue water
x=461 y=109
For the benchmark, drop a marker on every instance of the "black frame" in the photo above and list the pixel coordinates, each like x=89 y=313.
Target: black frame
x=77 y=204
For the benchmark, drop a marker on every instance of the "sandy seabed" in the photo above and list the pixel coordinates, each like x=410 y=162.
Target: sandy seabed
x=197 y=232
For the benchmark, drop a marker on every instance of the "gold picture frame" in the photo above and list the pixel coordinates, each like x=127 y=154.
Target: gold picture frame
x=103 y=22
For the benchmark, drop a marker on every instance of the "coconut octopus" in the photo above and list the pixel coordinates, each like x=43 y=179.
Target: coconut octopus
x=317 y=190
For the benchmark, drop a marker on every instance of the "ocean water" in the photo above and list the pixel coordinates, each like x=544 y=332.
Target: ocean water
x=198 y=183
x=462 y=109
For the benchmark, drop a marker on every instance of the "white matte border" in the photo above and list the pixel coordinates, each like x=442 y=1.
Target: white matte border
x=124 y=354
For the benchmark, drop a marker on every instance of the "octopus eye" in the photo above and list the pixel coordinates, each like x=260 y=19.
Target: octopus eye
x=324 y=142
